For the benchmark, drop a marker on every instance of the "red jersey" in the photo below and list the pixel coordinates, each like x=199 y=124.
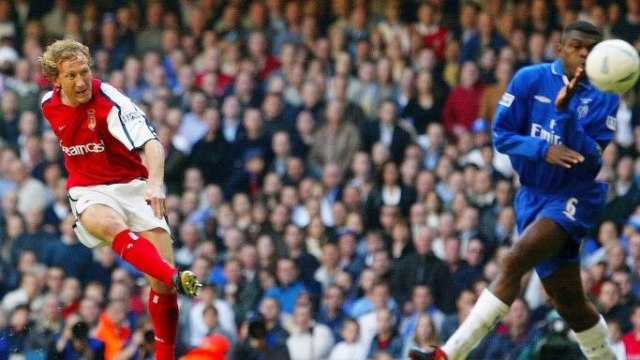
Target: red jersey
x=632 y=346
x=437 y=41
x=99 y=139
x=461 y=108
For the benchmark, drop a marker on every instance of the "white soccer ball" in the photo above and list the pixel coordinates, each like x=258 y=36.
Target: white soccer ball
x=613 y=66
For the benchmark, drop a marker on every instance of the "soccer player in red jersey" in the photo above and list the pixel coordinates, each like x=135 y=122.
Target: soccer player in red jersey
x=117 y=200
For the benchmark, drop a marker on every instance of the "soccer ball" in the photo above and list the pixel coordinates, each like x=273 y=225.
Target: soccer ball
x=613 y=66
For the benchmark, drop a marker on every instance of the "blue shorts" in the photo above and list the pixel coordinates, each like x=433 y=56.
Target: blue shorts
x=575 y=209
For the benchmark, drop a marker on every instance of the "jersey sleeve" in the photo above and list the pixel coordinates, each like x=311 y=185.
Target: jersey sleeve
x=127 y=122
x=604 y=129
x=45 y=99
x=511 y=122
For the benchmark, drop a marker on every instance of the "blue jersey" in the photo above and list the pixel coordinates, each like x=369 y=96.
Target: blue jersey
x=527 y=123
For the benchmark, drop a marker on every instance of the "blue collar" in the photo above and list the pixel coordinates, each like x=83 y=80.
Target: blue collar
x=558 y=69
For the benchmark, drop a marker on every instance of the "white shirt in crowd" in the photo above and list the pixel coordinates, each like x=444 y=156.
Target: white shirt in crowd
x=345 y=350
x=314 y=345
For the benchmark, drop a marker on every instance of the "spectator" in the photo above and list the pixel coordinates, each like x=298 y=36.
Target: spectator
x=117 y=50
x=387 y=131
x=295 y=250
x=308 y=339
x=58 y=209
x=615 y=333
x=45 y=328
x=70 y=295
x=492 y=94
x=68 y=253
x=335 y=142
x=625 y=193
x=210 y=317
x=113 y=328
x=350 y=260
x=331 y=312
x=149 y=37
x=197 y=326
x=31 y=192
x=176 y=150
x=76 y=342
x=386 y=338
x=189 y=238
x=210 y=152
x=141 y=345
x=421 y=304
x=330 y=265
x=610 y=306
x=423 y=267
x=349 y=347
x=281 y=149
x=464 y=302
x=256 y=345
x=289 y=286
x=241 y=294
x=629 y=24
x=388 y=191
x=365 y=309
x=23 y=295
x=247 y=179
x=512 y=334
x=631 y=340
x=463 y=103
x=462 y=274
x=486 y=36
x=424 y=336
x=89 y=312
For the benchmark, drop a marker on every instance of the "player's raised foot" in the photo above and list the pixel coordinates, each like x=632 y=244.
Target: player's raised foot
x=433 y=353
x=186 y=283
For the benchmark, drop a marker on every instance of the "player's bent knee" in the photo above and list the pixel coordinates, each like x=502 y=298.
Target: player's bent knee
x=102 y=221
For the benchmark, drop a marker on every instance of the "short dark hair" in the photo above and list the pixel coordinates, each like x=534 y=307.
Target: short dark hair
x=257 y=329
x=583 y=27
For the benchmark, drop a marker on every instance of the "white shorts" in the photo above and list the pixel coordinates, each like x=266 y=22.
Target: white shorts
x=126 y=199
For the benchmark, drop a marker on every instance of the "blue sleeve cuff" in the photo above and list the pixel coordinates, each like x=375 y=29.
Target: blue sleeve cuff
x=543 y=150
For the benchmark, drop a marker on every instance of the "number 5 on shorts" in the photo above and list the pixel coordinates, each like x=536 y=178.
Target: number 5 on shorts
x=570 y=208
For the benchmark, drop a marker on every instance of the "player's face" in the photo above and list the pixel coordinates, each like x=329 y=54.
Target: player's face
x=74 y=80
x=574 y=50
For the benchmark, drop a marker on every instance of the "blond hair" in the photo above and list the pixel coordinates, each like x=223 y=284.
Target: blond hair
x=59 y=51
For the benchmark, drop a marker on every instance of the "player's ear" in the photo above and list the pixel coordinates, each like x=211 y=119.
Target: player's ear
x=559 y=47
x=55 y=81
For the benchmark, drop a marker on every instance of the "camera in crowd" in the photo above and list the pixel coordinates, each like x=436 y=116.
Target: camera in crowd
x=80 y=331
x=556 y=344
x=149 y=337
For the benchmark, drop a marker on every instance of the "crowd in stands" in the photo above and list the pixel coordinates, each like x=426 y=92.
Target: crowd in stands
x=329 y=172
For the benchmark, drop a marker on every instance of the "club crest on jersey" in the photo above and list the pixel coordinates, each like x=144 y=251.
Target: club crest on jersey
x=582 y=111
x=91 y=119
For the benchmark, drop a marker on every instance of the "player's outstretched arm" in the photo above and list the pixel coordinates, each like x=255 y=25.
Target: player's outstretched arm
x=154 y=192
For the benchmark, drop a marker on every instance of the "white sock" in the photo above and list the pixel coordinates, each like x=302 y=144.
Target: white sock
x=594 y=342
x=486 y=313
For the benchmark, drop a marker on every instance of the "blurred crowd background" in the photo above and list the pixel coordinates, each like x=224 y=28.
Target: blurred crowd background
x=329 y=173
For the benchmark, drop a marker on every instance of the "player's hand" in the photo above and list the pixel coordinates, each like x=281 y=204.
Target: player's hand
x=561 y=155
x=567 y=91
x=154 y=195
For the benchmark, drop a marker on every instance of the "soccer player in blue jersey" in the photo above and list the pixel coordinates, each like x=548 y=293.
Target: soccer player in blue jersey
x=553 y=124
